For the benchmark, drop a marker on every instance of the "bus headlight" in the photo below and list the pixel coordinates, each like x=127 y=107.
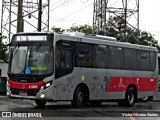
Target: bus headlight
x=42 y=95
x=7 y=93
x=48 y=84
x=43 y=87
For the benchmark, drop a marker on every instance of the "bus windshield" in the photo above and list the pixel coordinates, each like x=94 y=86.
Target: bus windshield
x=31 y=60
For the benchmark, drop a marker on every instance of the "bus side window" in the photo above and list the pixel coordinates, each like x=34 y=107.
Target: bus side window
x=115 y=57
x=58 y=57
x=130 y=59
x=143 y=60
x=100 y=56
x=66 y=59
x=84 y=55
x=64 y=62
x=152 y=61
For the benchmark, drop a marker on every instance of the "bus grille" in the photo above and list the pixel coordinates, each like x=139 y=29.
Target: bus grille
x=28 y=92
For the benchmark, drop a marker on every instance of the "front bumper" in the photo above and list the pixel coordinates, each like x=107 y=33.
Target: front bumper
x=48 y=94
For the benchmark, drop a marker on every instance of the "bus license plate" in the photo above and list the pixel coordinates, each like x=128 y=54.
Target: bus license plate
x=22 y=93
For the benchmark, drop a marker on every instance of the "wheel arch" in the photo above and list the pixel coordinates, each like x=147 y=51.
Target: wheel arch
x=84 y=86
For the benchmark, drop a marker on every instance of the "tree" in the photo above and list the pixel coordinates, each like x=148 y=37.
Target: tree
x=116 y=28
x=2 y=48
x=81 y=28
x=147 y=39
x=57 y=29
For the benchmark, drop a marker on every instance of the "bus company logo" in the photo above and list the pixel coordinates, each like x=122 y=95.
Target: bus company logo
x=6 y=114
x=120 y=83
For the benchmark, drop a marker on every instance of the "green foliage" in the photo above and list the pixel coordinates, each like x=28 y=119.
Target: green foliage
x=81 y=28
x=116 y=28
x=2 y=46
x=57 y=29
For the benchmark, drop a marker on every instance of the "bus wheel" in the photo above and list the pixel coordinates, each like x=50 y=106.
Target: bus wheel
x=130 y=97
x=40 y=103
x=95 y=103
x=78 y=98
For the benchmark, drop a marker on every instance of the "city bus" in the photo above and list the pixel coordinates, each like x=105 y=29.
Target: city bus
x=84 y=69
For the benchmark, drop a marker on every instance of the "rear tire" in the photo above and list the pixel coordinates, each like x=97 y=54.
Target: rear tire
x=78 y=98
x=40 y=103
x=130 y=97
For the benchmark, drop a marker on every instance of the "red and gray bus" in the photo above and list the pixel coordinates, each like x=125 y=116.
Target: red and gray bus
x=83 y=69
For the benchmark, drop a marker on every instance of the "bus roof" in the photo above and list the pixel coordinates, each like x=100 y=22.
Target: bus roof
x=102 y=40
x=95 y=39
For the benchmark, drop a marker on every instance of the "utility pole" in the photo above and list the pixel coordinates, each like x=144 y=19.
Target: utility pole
x=39 y=15
x=23 y=15
x=125 y=18
x=20 y=17
x=127 y=11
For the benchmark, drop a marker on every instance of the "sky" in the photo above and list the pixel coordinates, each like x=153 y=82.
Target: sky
x=65 y=13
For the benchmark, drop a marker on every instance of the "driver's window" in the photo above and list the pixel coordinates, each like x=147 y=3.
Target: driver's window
x=64 y=58
x=64 y=62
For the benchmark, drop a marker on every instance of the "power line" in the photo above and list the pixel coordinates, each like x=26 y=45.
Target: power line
x=74 y=12
x=67 y=19
x=55 y=3
x=65 y=2
x=84 y=1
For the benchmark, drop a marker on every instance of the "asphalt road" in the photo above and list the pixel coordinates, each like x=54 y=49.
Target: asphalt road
x=27 y=109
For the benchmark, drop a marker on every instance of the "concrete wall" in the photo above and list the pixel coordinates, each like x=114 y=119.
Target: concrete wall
x=3 y=68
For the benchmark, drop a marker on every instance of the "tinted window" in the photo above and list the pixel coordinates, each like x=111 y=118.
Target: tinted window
x=84 y=55
x=64 y=58
x=152 y=60
x=115 y=57
x=143 y=60
x=130 y=59
x=100 y=56
x=64 y=62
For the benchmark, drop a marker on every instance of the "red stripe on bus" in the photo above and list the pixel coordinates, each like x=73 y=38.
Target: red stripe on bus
x=120 y=84
x=26 y=86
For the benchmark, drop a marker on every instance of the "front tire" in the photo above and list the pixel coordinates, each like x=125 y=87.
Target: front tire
x=40 y=103
x=78 y=98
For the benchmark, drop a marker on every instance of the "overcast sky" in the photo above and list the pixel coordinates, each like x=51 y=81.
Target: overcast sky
x=65 y=13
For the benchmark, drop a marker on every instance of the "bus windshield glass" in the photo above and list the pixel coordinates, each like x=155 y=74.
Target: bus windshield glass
x=31 y=60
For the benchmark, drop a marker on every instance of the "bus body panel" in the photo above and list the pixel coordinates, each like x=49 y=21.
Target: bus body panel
x=103 y=84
